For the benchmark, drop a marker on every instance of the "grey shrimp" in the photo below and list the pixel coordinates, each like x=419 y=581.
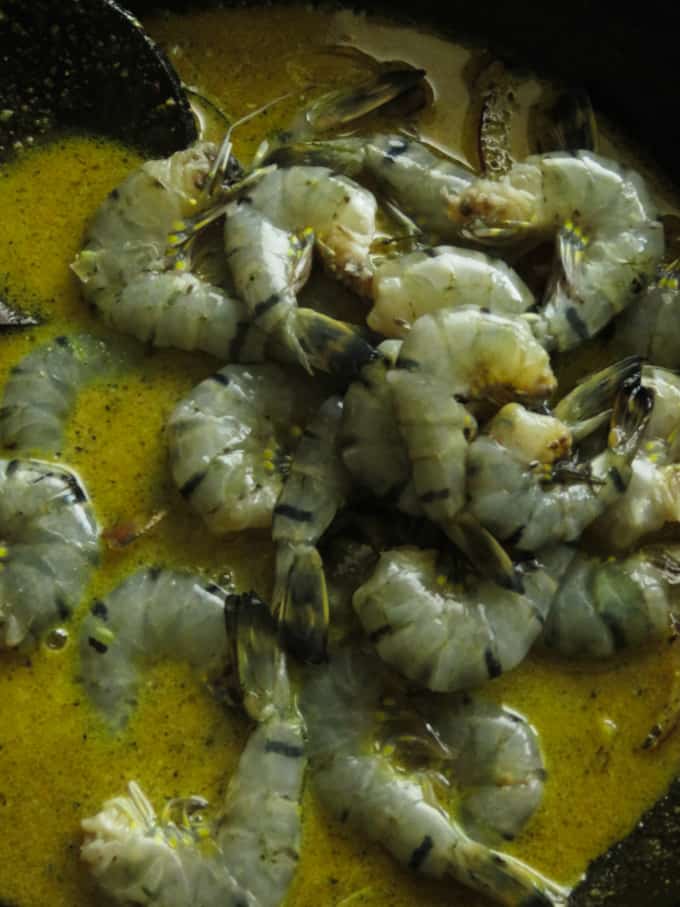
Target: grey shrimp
x=269 y=233
x=450 y=356
x=314 y=489
x=41 y=391
x=128 y=274
x=246 y=851
x=49 y=545
x=652 y=498
x=230 y=441
x=153 y=614
x=477 y=747
x=607 y=604
x=609 y=240
x=416 y=179
x=447 y=630
x=407 y=286
x=526 y=501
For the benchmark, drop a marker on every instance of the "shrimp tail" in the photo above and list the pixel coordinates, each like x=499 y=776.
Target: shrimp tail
x=261 y=680
x=344 y=155
x=484 y=552
x=632 y=409
x=332 y=346
x=300 y=601
x=588 y=406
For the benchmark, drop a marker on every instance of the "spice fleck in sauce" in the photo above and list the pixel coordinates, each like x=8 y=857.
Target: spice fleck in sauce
x=58 y=763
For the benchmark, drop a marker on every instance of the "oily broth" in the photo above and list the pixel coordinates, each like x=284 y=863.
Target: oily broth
x=57 y=762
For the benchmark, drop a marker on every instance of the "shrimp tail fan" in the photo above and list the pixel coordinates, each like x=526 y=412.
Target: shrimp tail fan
x=632 y=409
x=333 y=346
x=301 y=601
x=261 y=680
x=586 y=407
x=485 y=553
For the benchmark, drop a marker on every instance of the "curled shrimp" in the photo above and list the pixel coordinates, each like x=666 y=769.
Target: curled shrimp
x=407 y=286
x=247 y=850
x=609 y=240
x=130 y=274
x=444 y=629
x=153 y=614
x=603 y=605
x=230 y=442
x=314 y=489
x=528 y=501
x=49 y=544
x=42 y=388
x=478 y=748
x=269 y=233
x=451 y=356
x=404 y=169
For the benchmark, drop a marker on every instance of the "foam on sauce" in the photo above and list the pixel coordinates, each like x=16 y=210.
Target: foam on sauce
x=57 y=761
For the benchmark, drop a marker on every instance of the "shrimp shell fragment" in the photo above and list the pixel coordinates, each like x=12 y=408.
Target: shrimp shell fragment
x=49 y=544
x=229 y=441
x=153 y=614
x=360 y=783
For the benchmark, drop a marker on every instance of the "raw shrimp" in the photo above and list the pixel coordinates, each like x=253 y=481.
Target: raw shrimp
x=129 y=276
x=451 y=356
x=528 y=502
x=315 y=488
x=42 y=388
x=416 y=179
x=49 y=544
x=652 y=498
x=248 y=851
x=440 y=277
x=649 y=326
x=153 y=614
x=269 y=234
x=609 y=240
x=487 y=753
x=445 y=629
x=603 y=605
x=230 y=441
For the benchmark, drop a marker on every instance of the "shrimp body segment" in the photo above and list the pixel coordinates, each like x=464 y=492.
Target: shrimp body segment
x=446 y=632
x=479 y=744
x=246 y=851
x=516 y=498
x=649 y=326
x=153 y=614
x=229 y=443
x=127 y=274
x=609 y=240
x=314 y=490
x=605 y=605
x=49 y=544
x=41 y=391
x=441 y=277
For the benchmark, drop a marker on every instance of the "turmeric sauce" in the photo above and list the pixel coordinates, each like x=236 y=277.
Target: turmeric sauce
x=58 y=762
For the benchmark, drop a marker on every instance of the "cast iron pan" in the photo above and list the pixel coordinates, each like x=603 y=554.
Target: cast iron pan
x=87 y=64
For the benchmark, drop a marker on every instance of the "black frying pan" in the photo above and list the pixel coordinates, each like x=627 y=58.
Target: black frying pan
x=626 y=60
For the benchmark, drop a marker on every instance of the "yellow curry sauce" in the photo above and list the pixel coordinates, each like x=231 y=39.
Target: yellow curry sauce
x=58 y=763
